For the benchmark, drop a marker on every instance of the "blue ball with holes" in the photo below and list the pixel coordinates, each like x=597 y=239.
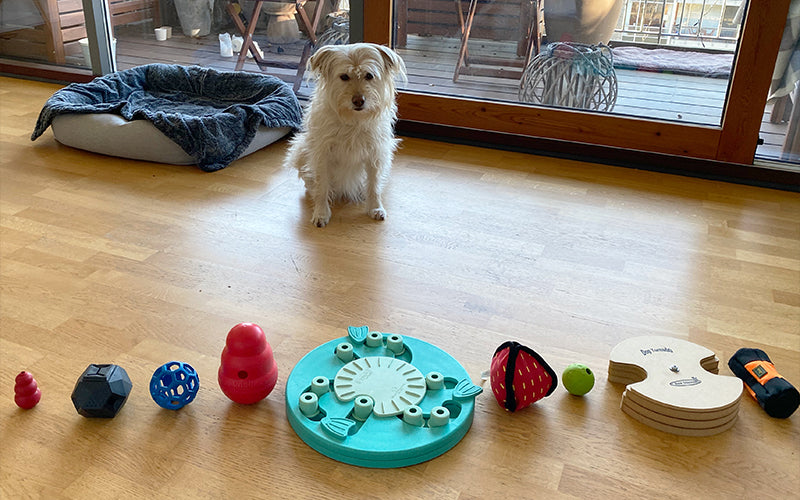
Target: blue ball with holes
x=174 y=385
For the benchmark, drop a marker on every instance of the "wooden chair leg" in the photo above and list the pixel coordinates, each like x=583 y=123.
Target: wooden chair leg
x=465 y=32
x=308 y=25
x=247 y=33
x=460 y=13
x=534 y=32
x=301 y=67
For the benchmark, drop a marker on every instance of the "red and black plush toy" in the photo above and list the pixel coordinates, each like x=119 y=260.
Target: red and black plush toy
x=520 y=377
x=774 y=393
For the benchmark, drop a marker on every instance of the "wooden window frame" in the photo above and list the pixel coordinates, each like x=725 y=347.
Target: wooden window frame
x=734 y=141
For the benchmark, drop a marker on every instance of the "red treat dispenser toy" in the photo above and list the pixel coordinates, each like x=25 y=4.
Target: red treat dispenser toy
x=247 y=373
x=26 y=391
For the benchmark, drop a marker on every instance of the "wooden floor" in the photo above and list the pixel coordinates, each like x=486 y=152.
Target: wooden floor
x=106 y=260
x=431 y=63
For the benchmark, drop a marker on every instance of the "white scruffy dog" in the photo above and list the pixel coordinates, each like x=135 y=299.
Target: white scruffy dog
x=347 y=144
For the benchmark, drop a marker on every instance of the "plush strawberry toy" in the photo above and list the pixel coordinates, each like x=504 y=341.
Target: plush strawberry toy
x=520 y=377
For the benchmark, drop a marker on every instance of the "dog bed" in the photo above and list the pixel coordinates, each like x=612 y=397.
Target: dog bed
x=172 y=114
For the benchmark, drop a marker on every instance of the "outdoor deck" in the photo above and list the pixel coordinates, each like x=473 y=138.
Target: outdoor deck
x=431 y=61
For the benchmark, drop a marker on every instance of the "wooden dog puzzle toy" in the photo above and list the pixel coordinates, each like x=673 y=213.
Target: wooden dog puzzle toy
x=673 y=386
x=380 y=400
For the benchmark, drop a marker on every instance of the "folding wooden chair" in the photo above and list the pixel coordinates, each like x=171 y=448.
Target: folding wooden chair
x=529 y=44
x=307 y=25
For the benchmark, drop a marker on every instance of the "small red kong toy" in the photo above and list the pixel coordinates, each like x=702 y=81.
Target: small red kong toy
x=247 y=372
x=26 y=391
x=520 y=377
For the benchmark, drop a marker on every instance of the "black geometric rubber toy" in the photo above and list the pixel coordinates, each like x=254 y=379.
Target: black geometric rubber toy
x=101 y=391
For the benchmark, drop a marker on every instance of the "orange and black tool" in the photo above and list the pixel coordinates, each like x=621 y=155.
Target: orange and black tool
x=774 y=393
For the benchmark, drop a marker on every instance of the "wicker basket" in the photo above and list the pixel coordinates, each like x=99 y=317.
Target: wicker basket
x=572 y=75
x=337 y=31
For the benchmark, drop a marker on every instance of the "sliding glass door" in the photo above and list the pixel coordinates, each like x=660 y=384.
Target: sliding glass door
x=668 y=60
x=680 y=77
x=780 y=128
x=75 y=36
x=56 y=38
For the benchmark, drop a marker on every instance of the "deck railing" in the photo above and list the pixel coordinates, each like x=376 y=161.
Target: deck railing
x=710 y=24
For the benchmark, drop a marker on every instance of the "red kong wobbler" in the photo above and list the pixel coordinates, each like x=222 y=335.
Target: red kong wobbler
x=247 y=372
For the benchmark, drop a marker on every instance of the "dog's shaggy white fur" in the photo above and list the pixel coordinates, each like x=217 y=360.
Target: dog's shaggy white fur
x=347 y=144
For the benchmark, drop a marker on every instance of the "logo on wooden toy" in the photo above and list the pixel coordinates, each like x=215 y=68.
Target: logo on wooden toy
x=685 y=382
x=645 y=352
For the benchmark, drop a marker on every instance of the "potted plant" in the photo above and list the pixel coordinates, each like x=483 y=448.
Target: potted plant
x=195 y=16
x=581 y=21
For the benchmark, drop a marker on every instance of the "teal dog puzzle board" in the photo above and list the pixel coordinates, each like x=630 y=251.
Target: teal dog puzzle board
x=380 y=400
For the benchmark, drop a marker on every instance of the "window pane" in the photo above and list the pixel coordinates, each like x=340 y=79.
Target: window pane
x=44 y=31
x=211 y=33
x=780 y=129
x=661 y=59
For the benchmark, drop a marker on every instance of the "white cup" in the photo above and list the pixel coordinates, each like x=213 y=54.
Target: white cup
x=84 y=43
x=237 y=42
x=161 y=34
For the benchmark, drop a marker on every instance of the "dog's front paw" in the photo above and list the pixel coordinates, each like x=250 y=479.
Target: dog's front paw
x=320 y=221
x=378 y=213
x=320 y=218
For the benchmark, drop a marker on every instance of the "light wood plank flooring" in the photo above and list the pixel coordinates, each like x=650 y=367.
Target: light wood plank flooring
x=107 y=260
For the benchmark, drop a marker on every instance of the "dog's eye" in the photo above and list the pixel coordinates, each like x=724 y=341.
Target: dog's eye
x=369 y=76
x=345 y=77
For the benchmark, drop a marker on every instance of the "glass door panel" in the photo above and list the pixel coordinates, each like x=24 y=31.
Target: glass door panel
x=212 y=33
x=656 y=59
x=780 y=130
x=467 y=112
x=42 y=31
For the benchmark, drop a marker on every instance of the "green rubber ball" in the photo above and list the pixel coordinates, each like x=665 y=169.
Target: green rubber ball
x=578 y=379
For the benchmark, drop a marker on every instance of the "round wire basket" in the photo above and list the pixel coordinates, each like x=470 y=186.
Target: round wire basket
x=337 y=31
x=573 y=75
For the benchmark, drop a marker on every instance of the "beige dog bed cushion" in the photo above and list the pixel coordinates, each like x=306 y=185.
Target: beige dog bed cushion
x=173 y=114
x=113 y=135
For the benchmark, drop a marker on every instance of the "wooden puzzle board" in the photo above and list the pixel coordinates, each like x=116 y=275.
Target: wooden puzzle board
x=673 y=385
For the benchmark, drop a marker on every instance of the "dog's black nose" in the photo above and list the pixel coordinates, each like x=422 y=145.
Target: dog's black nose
x=358 y=101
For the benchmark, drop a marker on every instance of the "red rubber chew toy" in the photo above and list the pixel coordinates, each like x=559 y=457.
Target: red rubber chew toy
x=26 y=391
x=247 y=372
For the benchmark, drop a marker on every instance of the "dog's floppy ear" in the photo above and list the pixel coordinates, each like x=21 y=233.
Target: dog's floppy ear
x=393 y=62
x=320 y=63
